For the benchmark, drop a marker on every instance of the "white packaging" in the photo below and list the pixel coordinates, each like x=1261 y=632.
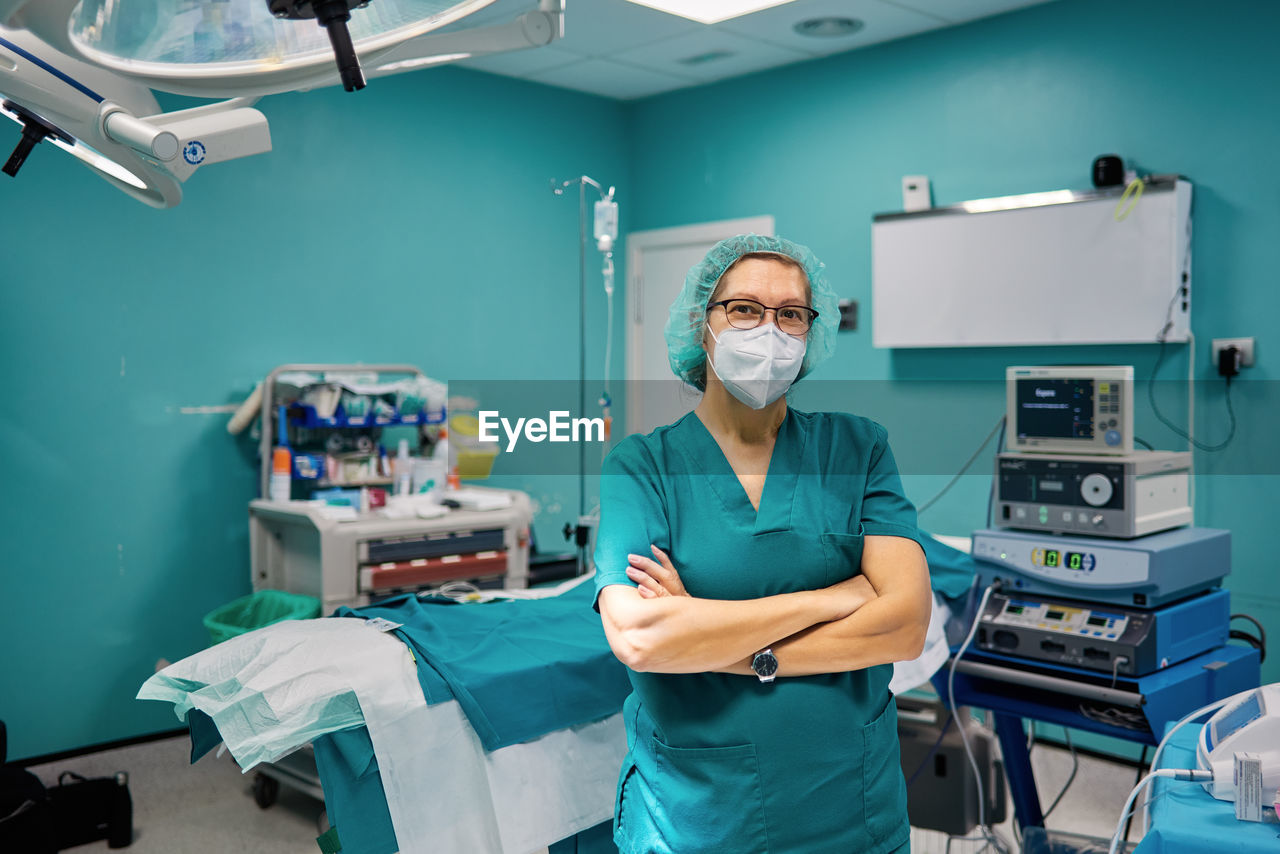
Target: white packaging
x=1248 y=779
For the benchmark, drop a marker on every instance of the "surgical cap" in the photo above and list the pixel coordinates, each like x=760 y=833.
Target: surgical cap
x=689 y=312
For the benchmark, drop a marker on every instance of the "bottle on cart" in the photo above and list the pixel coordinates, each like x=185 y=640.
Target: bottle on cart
x=441 y=453
x=403 y=469
x=281 y=477
x=281 y=488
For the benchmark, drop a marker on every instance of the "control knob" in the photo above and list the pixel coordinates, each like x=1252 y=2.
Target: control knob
x=1096 y=489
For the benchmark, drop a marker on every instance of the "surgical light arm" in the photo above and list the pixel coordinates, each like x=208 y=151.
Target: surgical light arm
x=113 y=125
x=537 y=28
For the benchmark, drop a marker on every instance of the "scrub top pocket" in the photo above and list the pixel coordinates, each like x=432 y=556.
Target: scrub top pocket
x=628 y=769
x=712 y=799
x=884 y=789
x=843 y=556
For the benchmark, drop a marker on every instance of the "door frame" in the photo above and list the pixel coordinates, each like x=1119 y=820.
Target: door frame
x=638 y=242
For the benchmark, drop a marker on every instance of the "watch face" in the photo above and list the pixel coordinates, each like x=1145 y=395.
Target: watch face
x=765 y=664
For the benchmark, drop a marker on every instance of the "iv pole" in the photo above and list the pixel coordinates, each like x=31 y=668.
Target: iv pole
x=581 y=532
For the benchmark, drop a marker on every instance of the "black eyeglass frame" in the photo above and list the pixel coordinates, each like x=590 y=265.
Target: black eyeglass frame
x=724 y=303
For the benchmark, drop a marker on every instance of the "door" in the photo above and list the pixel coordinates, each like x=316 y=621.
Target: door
x=657 y=262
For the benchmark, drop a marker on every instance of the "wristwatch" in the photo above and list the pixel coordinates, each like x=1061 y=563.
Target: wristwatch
x=765 y=664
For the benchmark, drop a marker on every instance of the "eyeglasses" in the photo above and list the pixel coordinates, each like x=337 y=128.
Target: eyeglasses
x=748 y=314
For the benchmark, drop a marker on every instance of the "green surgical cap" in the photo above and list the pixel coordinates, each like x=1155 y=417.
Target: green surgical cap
x=689 y=312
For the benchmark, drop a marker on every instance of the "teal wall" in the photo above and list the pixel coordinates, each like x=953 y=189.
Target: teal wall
x=1013 y=104
x=127 y=519
x=412 y=222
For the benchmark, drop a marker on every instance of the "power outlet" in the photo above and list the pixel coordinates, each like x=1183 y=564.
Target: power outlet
x=1244 y=345
x=848 y=315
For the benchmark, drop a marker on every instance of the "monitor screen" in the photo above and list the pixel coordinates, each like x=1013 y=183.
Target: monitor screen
x=1055 y=408
x=1247 y=712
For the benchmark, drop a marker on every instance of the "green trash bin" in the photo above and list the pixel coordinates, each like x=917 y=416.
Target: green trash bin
x=257 y=610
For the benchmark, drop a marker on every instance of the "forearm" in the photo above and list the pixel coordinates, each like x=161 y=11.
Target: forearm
x=688 y=635
x=885 y=630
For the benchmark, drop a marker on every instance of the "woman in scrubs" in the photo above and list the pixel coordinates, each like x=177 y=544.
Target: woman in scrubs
x=758 y=571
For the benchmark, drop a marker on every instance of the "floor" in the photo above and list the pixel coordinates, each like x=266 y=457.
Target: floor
x=208 y=808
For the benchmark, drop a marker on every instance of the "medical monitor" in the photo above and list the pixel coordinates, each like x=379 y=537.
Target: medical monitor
x=1070 y=409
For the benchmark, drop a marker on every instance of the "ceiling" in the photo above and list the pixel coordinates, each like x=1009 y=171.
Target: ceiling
x=624 y=51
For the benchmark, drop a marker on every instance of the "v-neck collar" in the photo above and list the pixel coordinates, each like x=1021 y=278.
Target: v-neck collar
x=778 y=495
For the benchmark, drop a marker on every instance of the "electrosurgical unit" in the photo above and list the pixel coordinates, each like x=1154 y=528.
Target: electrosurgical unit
x=1249 y=725
x=1130 y=495
x=1146 y=572
x=1071 y=409
x=1109 y=638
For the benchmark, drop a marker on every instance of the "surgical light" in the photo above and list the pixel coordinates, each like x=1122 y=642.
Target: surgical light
x=247 y=42
x=240 y=48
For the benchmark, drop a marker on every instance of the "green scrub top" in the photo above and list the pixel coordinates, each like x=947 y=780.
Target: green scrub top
x=719 y=762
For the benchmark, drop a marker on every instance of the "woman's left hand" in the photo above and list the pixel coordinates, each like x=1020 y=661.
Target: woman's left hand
x=655 y=577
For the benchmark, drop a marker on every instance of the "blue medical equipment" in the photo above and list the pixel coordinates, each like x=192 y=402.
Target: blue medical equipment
x=1109 y=638
x=1146 y=572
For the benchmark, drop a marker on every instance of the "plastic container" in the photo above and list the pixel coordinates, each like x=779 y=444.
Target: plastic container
x=473 y=458
x=257 y=610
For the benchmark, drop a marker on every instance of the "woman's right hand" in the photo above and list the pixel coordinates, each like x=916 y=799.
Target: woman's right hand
x=849 y=595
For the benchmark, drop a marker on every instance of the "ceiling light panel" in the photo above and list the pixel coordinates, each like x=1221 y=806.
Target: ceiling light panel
x=710 y=11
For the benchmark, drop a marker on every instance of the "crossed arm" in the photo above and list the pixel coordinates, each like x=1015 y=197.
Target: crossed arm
x=874 y=618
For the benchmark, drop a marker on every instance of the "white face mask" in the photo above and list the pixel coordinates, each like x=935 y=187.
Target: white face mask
x=757 y=365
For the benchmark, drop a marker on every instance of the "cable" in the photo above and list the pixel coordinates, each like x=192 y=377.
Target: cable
x=964 y=736
x=1115 y=716
x=1151 y=395
x=1210 y=707
x=1144 y=443
x=963 y=469
x=1191 y=775
x=1075 y=766
x=1115 y=668
x=938 y=743
x=991 y=494
x=1142 y=758
x=994 y=840
x=1259 y=643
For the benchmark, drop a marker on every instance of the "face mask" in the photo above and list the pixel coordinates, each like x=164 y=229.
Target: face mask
x=757 y=365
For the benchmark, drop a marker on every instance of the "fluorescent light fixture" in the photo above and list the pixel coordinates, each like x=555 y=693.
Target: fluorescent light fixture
x=710 y=11
x=1026 y=200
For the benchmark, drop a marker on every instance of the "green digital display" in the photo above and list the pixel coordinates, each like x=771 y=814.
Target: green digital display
x=1068 y=560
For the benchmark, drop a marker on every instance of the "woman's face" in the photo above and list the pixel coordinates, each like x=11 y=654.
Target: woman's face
x=768 y=282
